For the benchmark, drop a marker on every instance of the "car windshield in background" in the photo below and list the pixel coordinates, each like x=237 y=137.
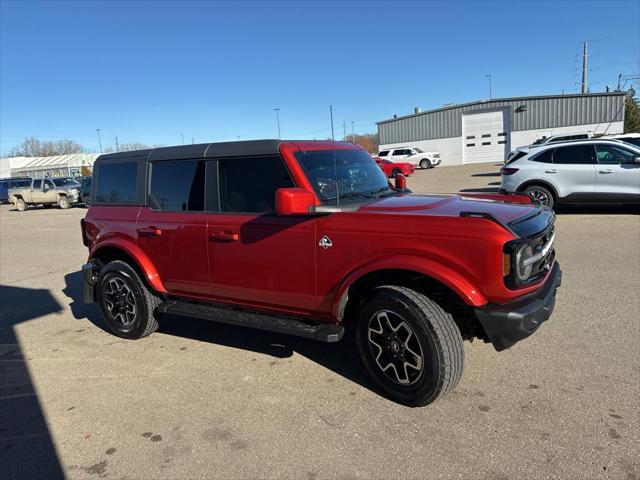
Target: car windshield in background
x=65 y=182
x=633 y=141
x=358 y=175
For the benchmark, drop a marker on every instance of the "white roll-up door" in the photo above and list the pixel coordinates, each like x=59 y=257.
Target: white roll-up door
x=485 y=137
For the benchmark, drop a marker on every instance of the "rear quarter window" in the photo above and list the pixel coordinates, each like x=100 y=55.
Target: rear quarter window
x=544 y=157
x=117 y=183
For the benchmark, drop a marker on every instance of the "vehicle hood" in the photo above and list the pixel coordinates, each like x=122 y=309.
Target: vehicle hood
x=523 y=219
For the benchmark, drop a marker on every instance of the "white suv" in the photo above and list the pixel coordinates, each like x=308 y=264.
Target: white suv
x=411 y=155
x=587 y=171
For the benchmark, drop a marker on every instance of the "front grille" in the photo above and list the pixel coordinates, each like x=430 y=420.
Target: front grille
x=544 y=264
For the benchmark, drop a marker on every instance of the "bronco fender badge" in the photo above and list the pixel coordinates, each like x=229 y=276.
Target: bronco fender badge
x=325 y=242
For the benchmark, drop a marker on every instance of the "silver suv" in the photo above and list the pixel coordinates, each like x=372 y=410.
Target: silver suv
x=586 y=171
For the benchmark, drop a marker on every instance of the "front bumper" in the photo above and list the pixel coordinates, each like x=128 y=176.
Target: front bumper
x=507 y=324
x=90 y=272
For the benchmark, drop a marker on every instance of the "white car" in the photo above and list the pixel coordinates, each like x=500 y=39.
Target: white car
x=632 y=138
x=412 y=155
x=554 y=139
x=586 y=171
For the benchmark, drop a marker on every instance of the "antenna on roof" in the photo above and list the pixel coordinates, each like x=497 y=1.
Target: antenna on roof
x=335 y=162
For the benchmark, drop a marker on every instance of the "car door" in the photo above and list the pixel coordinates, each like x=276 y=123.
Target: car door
x=49 y=192
x=257 y=258
x=618 y=177
x=37 y=195
x=172 y=228
x=573 y=172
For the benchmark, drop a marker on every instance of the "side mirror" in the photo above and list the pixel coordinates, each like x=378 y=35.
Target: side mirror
x=400 y=182
x=294 y=201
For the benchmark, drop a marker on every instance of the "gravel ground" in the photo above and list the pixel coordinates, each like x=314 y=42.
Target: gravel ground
x=200 y=400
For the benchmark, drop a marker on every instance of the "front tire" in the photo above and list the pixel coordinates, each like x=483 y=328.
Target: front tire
x=63 y=202
x=540 y=194
x=126 y=303
x=424 y=163
x=409 y=345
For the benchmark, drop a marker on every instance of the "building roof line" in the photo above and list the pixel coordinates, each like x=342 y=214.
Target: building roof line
x=498 y=100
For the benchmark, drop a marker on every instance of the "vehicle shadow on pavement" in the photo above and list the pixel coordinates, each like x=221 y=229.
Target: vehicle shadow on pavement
x=26 y=445
x=341 y=357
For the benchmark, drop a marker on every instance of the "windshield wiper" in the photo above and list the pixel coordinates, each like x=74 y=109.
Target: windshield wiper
x=355 y=194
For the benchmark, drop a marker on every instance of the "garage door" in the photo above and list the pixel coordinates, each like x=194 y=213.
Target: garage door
x=485 y=137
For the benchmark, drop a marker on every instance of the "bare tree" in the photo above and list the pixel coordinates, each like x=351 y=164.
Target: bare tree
x=32 y=147
x=127 y=147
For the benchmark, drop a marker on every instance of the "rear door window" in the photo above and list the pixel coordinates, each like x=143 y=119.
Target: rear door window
x=177 y=186
x=248 y=185
x=575 y=155
x=544 y=157
x=383 y=153
x=117 y=183
x=37 y=184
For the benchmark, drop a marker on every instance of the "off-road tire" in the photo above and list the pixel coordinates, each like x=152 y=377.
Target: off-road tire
x=538 y=193
x=438 y=336
x=144 y=322
x=63 y=202
x=21 y=205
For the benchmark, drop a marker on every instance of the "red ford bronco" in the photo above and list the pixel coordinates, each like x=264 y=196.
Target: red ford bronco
x=309 y=238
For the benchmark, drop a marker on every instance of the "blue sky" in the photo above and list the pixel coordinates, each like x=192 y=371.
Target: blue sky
x=213 y=71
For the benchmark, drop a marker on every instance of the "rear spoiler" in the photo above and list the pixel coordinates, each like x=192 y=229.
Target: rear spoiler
x=499 y=197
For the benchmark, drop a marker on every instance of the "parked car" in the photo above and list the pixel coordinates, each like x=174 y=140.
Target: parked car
x=7 y=183
x=552 y=139
x=589 y=171
x=632 y=138
x=391 y=169
x=45 y=191
x=563 y=138
x=85 y=191
x=411 y=155
x=313 y=242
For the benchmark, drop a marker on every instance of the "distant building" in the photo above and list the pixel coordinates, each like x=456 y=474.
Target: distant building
x=39 y=167
x=486 y=131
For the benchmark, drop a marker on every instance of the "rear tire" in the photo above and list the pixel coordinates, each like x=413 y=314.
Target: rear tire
x=21 y=205
x=86 y=200
x=540 y=194
x=63 y=202
x=409 y=345
x=126 y=303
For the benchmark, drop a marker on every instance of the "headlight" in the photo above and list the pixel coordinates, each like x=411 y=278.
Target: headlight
x=523 y=270
x=73 y=191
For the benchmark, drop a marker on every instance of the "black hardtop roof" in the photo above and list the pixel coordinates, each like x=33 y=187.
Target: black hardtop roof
x=200 y=150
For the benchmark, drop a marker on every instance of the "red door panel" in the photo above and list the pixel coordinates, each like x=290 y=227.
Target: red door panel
x=176 y=243
x=263 y=260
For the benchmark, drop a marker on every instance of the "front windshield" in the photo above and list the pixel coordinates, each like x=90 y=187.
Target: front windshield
x=418 y=150
x=64 y=182
x=632 y=140
x=358 y=175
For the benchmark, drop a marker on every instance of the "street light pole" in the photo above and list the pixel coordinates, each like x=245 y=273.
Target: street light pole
x=488 y=75
x=99 y=139
x=277 y=110
x=182 y=136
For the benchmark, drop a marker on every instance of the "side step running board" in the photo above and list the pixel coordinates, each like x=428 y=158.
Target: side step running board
x=322 y=332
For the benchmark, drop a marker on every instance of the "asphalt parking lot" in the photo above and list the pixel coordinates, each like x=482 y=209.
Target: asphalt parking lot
x=200 y=400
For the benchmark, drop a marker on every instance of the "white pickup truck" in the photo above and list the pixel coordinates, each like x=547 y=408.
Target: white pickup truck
x=46 y=191
x=412 y=155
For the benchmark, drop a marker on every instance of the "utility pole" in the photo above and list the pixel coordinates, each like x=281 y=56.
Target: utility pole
x=353 y=136
x=192 y=141
x=182 y=136
x=344 y=129
x=488 y=75
x=117 y=146
x=99 y=139
x=585 y=87
x=277 y=110
x=619 y=80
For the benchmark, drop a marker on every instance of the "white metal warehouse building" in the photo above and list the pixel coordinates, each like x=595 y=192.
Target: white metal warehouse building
x=39 y=167
x=486 y=131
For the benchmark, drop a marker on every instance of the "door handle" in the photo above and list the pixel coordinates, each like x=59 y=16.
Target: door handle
x=225 y=236
x=551 y=171
x=149 y=232
x=604 y=172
